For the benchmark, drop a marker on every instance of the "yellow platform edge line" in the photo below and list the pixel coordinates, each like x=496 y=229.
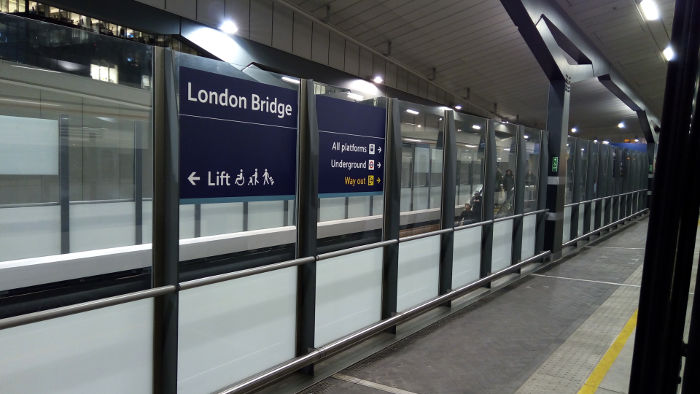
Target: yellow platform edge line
x=599 y=372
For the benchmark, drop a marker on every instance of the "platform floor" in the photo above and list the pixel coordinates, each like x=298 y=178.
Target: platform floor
x=546 y=333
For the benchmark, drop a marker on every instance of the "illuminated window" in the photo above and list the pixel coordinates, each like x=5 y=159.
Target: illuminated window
x=103 y=73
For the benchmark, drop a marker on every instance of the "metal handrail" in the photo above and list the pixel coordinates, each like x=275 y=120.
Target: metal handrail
x=273 y=374
x=425 y=235
x=507 y=217
x=355 y=249
x=84 y=307
x=572 y=241
x=535 y=212
x=472 y=225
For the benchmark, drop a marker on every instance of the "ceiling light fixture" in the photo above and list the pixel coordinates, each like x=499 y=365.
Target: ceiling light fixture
x=526 y=136
x=636 y=140
x=458 y=107
x=669 y=53
x=228 y=27
x=650 y=10
x=621 y=125
x=476 y=127
x=378 y=79
x=574 y=129
x=606 y=142
x=412 y=111
x=355 y=96
x=290 y=80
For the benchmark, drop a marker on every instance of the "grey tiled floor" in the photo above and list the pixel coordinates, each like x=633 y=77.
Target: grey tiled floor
x=498 y=343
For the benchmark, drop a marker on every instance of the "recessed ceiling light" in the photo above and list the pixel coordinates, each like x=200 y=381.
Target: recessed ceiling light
x=419 y=126
x=526 y=136
x=574 y=129
x=476 y=127
x=412 y=111
x=228 y=27
x=650 y=10
x=458 y=107
x=636 y=140
x=668 y=52
x=378 y=79
x=606 y=142
x=621 y=125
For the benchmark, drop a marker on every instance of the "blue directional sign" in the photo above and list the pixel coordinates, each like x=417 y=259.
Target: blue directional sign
x=351 y=148
x=238 y=139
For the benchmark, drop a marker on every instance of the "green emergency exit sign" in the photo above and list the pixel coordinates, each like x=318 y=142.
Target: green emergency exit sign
x=555 y=164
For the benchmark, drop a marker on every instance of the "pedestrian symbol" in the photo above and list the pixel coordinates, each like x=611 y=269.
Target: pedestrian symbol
x=253 y=179
x=267 y=179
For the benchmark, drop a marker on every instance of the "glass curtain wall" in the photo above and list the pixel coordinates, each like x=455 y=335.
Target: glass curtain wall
x=532 y=172
x=506 y=163
x=471 y=141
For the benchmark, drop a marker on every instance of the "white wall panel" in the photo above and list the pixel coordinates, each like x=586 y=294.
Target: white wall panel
x=348 y=294
x=234 y=329
x=332 y=208
x=101 y=225
x=29 y=146
x=401 y=79
x=30 y=232
x=365 y=63
x=501 y=253
x=261 y=21
x=222 y=218
x=187 y=221
x=352 y=58
x=319 y=44
x=390 y=77
x=282 y=28
x=302 y=36
x=378 y=205
x=418 y=271
x=466 y=260
x=210 y=12
x=358 y=206
x=108 y=350
x=265 y=214
x=147 y=221
x=336 y=54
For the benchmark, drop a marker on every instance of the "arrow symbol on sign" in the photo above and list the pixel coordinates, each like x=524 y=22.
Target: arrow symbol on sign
x=193 y=178
x=379 y=165
x=379 y=180
x=379 y=149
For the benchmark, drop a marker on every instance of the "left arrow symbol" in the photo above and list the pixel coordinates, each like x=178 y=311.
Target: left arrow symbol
x=193 y=178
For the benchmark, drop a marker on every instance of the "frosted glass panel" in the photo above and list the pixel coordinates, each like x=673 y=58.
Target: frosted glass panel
x=348 y=294
x=593 y=207
x=265 y=214
x=418 y=271
x=466 y=260
x=186 y=221
x=581 y=216
x=108 y=350
x=234 y=329
x=420 y=198
x=30 y=232
x=529 y=235
x=435 y=197
x=358 y=206
x=603 y=216
x=405 y=199
x=566 y=236
x=222 y=218
x=29 y=146
x=501 y=253
x=378 y=205
x=332 y=208
x=147 y=221
x=102 y=225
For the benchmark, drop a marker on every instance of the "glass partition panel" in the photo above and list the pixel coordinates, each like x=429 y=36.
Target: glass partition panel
x=108 y=350
x=502 y=244
x=237 y=164
x=422 y=135
x=506 y=163
x=231 y=330
x=570 y=159
x=533 y=152
x=529 y=235
x=466 y=260
x=76 y=157
x=471 y=140
x=348 y=294
x=418 y=271
x=566 y=232
x=593 y=177
x=581 y=172
x=352 y=129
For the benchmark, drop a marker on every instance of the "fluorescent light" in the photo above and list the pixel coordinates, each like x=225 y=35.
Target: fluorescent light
x=506 y=149
x=606 y=142
x=458 y=107
x=526 y=136
x=595 y=140
x=650 y=10
x=290 y=80
x=378 y=79
x=355 y=96
x=228 y=27
x=621 y=125
x=574 y=129
x=411 y=140
x=476 y=127
x=668 y=52
x=419 y=126
x=636 y=140
x=412 y=111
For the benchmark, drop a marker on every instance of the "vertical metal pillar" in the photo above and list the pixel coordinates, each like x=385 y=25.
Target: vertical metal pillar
x=590 y=181
x=138 y=183
x=64 y=180
x=520 y=172
x=307 y=208
x=487 y=200
x=576 y=145
x=557 y=126
x=542 y=191
x=166 y=220
x=673 y=220
x=392 y=208
x=651 y=150
x=600 y=188
x=449 y=186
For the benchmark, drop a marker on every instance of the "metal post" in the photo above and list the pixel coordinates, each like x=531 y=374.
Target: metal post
x=557 y=126
x=449 y=181
x=600 y=189
x=307 y=208
x=64 y=180
x=487 y=200
x=542 y=191
x=579 y=171
x=166 y=220
x=590 y=180
x=138 y=183
x=392 y=208
x=673 y=219
x=520 y=171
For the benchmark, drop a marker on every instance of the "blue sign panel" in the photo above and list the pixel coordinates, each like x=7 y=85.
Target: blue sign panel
x=351 y=148
x=238 y=139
